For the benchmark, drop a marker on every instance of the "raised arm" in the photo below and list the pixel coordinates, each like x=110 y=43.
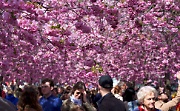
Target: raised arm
x=167 y=106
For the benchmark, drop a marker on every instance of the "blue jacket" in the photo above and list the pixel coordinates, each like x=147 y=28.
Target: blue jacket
x=12 y=99
x=51 y=103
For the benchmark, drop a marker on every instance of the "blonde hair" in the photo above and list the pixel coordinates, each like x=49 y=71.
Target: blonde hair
x=144 y=91
x=117 y=89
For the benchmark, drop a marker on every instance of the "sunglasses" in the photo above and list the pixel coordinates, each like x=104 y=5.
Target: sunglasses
x=78 y=93
x=44 y=86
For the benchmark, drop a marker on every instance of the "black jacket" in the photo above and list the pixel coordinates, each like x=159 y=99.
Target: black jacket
x=110 y=103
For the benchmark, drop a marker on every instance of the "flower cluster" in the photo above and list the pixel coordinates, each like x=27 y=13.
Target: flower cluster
x=66 y=39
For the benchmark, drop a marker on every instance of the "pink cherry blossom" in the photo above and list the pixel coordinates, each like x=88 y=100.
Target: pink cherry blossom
x=75 y=40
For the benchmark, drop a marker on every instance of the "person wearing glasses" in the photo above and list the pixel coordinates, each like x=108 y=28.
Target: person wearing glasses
x=48 y=101
x=146 y=97
x=78 y=97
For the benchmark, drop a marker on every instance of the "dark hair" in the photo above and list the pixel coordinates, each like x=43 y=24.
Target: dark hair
x=56 y=90
x=77 y=86
x=40 y=91
x=18 y=92
x=129 y=94
x=29 y=99
x=51 y=82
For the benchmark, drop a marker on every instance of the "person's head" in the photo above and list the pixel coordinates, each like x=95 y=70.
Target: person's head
x=163 y=97
x=9 y=91
x=146 y=96
x=78 y=90
x=49 y=81
x=18 y=92
x=66 y=93
x=116 y=90
x=29 y=97
x=55 y=91
x=47 y=86
x=105 y=84
x=70 y=106
x=161 y=89
x=60 y=90
x=129 y=94
x=122 y=85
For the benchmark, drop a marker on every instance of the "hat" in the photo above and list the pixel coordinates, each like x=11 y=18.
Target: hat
x=106 y=81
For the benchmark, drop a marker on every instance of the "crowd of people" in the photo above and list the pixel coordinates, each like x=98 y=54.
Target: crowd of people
x=106 y=97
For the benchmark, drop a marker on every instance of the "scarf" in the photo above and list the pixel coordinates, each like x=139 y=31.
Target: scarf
x=141 y=109
x=76 y=101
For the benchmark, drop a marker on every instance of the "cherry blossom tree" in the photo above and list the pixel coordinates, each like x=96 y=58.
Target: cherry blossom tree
x=72 y=40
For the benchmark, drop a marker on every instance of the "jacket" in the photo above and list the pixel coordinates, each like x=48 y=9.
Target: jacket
x=140 y=109
x=12 y=99
x=6 y=105
x=86 y=106
x=167 y=106
x=110 y=103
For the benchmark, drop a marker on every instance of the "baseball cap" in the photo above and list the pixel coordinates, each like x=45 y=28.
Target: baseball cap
x=106 y=81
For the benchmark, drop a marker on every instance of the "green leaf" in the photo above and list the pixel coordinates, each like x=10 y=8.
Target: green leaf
x=61 y=41
x=56 y=26
x=80 y=0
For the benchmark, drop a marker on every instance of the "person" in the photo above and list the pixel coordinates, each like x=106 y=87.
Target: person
x=70 y=106
x=66 y=93
x=108 y=102
x=39 y=92
x=163 y=103
x=6 y=105
x=2 y=92
x=130 y=99
x=28 y=100
x=146 y=98
x=2 y=87
x=79 y=97
x=60 y=91
x=48 y=101
x=117 y=92
x=10 y=97
x=96 y=96
x=123 y=86
x=55 y=91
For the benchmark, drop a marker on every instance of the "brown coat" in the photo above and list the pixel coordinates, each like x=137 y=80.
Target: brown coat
x=86 y=106
x=167 y=106
x=28 y=108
